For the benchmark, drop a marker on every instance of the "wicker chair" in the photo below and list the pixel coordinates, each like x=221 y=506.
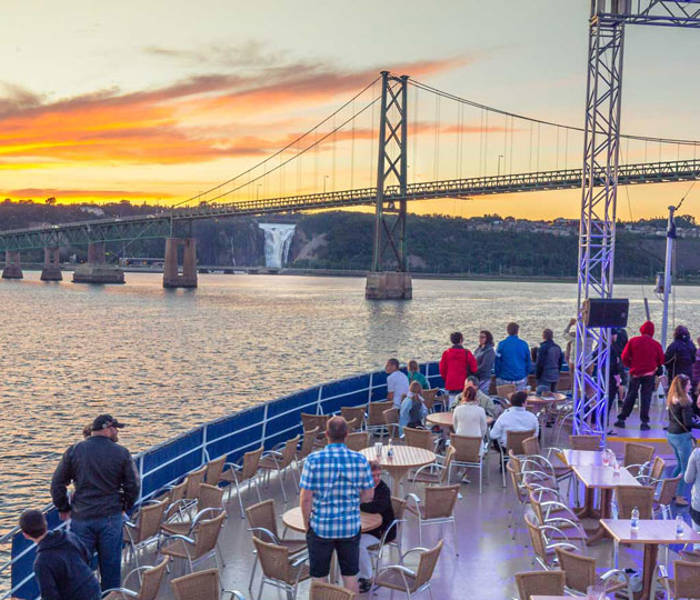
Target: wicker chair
x=558 y=472
x=429 y=398
x=242 y=473
x=636 y=457
x=505 y=391
x=355 y=425
x=391 y=421
x=376 y=551
x=420 y=438
x=542 y=548
x=629 y=496
x=307 y=444
x=203 y=585
x=350 y=413
x=400 y=577
x=468 y=455
x=375 y=417
x=666 y=495
x=514 y=442
x=581 y=573
x=310 y=421
x=151 y=578
x=327 y=591
x=434 y=473
x=540 y=583
x=194 y=480
x=357 y=441
x=585 y=442
x=214 y=469
x=279 y=569
x=686 y=580
x=274 y=460
x=559 y=518
x=438 y=509
x=209 y=502
x=172 y=494
x=197 y=548
x=263 y=525
x=144 y=527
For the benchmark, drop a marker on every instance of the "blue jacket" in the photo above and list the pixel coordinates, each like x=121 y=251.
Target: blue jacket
x=512 y=359
x=62 y=569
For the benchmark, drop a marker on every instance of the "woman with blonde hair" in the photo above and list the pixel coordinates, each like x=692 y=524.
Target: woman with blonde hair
x=679 y=433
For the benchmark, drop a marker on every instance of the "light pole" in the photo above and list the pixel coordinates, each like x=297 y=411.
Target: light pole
x=325 y=178
x=500 y=156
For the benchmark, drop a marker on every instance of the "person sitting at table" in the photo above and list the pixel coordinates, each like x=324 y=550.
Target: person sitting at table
x=515 y=418
x=491 y=409
x=415 y=375
x=381 y=504
x=469 y=419
x=413 y=410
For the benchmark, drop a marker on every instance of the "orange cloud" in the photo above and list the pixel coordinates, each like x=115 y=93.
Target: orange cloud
x=164 y=126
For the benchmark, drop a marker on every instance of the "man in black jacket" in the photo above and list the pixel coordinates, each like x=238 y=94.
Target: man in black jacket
x=381 y=503
x=106 y=485
x=61 y=566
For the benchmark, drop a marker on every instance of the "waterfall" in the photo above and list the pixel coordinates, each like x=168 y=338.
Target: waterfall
x=278 y=239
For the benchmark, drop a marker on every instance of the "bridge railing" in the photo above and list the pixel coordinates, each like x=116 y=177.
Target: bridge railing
x=167 y=463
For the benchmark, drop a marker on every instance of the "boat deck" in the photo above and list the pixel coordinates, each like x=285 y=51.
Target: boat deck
x=488 y=555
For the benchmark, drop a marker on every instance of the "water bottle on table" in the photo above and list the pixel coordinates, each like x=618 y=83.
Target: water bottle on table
x=634 y=521
x=679 y=526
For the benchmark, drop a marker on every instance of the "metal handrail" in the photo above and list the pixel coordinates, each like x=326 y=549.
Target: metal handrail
x=206 y=441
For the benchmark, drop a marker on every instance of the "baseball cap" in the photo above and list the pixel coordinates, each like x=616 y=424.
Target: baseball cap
x=104 y=421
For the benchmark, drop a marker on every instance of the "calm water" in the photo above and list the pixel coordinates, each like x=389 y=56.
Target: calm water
x=166 y=361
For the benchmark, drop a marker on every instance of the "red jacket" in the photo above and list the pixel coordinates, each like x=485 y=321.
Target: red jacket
x=643 y=354
x=455 y=365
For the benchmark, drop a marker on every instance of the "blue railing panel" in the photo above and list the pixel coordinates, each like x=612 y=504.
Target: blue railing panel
x=171 y=461
x=243 y=432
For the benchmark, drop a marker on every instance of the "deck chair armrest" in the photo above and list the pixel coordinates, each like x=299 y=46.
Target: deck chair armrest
x=562 y=545
x=300 y=560
x=556 y=504
x=123 y=591
x=130 y=524
x=565 y=521
x=404 y=570
x=202 y=514
x=392 y=525
x=433 y=465
x=640 y=466
x=234 y=594
x=178 y=536
x=549 y=527
x=233 y=466
x=179 y=504
x=416 y=500
x=405 y=554
x=136 y=570
x=615 y=573
x=267 y=532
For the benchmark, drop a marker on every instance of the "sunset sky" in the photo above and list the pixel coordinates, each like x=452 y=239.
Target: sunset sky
x=159 y=101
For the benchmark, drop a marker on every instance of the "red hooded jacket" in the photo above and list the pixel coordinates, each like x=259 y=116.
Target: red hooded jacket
x=643 y=354
x=455 y=365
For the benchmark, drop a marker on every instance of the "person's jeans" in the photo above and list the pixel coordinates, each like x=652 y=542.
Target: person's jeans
x=682 y=444
x=520 y=384
x=546 y=386
x=485 y=385
x=366 y=540
x=647 y=385
x=105 y=536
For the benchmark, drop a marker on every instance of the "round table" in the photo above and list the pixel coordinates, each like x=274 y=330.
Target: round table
x=441 y=419
x=404 y=459
x=294 y=520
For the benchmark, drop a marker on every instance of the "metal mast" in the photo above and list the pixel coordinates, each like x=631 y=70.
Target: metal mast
x=599 y=185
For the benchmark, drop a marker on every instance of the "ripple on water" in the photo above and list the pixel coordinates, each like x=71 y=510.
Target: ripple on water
x=165 y=363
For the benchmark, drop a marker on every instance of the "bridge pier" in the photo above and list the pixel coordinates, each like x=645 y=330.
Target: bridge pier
x=12 y=268
x=388 y=285
x=173 y=277
x=52 y=265
x=96 y=269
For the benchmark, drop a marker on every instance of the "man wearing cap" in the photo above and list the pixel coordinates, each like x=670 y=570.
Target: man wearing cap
x=106 y=485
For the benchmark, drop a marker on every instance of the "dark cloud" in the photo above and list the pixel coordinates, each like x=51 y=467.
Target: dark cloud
x=251 y=54
x=14 y=98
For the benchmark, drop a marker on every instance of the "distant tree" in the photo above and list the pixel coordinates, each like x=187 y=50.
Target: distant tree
x=50 y=201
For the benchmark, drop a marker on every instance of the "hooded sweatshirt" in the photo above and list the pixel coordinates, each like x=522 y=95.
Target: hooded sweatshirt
x=62 y=569
x=643 y=354
x=455 y=365
x=680 y=356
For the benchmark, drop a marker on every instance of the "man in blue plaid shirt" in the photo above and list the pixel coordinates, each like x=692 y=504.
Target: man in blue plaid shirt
x=334 y=482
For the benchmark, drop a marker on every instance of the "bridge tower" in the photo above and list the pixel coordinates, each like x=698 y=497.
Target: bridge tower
x=389 y=278
x=599 y=185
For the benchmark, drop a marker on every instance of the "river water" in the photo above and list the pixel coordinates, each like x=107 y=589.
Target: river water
x=165 y=361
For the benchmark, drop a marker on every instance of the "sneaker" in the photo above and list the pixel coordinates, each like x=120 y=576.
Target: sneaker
x=644 y=427
x=681 y=501
x=619 y=423
x=365 y=585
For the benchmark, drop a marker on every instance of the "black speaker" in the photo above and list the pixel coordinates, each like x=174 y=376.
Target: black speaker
x=605 y=312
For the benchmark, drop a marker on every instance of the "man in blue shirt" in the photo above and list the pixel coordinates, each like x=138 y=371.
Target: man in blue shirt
x=512 y=359
x=334 y=482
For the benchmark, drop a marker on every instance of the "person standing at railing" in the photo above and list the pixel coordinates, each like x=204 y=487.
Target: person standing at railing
x=512 y=364
x=62 y=565
x=396 y=382
x=333 y=483
x=106 y=485
x=456 y=364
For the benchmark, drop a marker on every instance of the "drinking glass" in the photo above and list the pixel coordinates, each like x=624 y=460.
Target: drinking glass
x=378 y=449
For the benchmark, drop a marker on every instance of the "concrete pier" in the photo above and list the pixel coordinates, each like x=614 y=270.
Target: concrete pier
x=12 y=268
x=173 y=276
x=388 y=285
x=52 y=265
x=96 y=269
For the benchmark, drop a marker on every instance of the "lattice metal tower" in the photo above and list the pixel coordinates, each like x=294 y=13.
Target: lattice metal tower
x=599 y=189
